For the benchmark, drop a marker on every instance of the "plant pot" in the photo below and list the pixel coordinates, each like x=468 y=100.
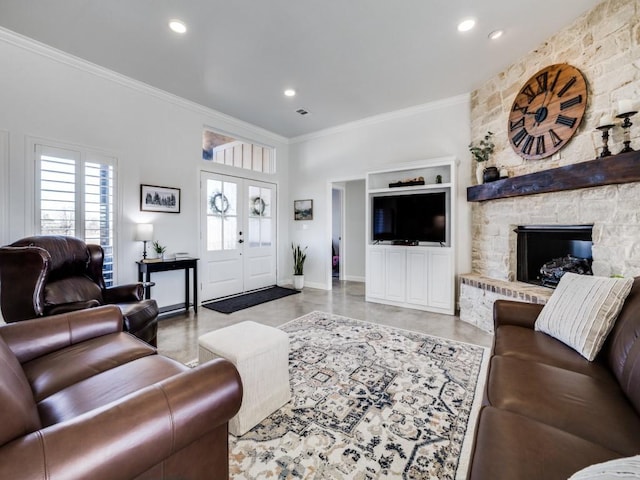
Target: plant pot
x=490 y=174
x=298 y=282
x=479 y=173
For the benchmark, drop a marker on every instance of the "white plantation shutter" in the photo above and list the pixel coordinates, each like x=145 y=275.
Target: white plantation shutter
x=75 y=197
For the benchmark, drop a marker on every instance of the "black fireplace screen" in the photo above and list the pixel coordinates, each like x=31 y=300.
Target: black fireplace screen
x=546 y=252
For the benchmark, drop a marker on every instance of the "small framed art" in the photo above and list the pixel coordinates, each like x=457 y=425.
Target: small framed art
x=303 y=209
x=159 y=199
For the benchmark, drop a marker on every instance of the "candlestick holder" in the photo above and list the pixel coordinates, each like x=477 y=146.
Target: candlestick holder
x=626 y=125
x=605 y=139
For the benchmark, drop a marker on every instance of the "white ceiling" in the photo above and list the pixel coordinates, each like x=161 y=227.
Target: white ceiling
x=347 y=59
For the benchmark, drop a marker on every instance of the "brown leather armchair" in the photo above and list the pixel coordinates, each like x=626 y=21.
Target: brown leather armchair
x=50 y=274
x=81 y=399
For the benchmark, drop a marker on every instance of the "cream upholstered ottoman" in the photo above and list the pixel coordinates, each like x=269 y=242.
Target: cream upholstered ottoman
x=261 y=355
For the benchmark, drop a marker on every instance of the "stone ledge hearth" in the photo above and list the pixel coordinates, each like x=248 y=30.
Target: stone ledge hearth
x=477 y=294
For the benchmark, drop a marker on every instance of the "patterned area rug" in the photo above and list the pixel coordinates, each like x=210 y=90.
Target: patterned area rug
x=369 y=402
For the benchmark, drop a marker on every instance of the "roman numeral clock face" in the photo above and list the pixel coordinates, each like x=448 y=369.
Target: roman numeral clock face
x=547 y=111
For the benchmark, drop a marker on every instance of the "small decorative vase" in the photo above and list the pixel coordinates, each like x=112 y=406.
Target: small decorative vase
x=479 y=173
x=298 y=282
x=490 y=174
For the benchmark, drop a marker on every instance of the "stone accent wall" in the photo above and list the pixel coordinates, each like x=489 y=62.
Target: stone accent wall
x=605 y=45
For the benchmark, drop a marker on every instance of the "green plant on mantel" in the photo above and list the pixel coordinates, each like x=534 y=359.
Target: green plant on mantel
x=483 y=152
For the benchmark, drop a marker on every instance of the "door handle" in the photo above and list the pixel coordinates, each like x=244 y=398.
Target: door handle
x=241 y=241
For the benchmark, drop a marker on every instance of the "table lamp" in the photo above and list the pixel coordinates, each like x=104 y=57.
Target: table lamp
x=144 y=233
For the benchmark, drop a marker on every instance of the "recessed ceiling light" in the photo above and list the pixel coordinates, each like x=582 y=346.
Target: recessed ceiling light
x=290 y=92
x=177 y=26
x=466 y=25
x=496 y=34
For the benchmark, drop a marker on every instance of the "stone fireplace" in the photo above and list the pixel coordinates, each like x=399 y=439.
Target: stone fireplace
x=545 y=252
x=611 y=210
x=598 y=44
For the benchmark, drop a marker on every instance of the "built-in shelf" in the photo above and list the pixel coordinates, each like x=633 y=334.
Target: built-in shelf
x=622 y=168
x=418 y=276
x=414 y=188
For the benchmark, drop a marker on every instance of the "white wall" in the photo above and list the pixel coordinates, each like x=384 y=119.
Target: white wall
x=156 y=137
x=4 y=187
x=355 y=231
x=433 y=130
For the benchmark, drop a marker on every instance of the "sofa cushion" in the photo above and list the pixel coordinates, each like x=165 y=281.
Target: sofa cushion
x=69 y=291
x=622 y=349
x=527 y=344
x=105 y=387
x=582 y=310
x=18 y=413
x=509 y=446
x=592 y=408
x=53 y=372
x=68 y=255
x=627 y=468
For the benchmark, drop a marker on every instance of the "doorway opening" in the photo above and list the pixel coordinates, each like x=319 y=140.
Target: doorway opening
x=347 y=236
x=337 y=217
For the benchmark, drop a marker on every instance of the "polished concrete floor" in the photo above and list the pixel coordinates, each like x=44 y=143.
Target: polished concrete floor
x=178 y=334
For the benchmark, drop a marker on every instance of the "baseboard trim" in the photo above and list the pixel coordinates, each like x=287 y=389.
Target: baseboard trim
x=354 y=278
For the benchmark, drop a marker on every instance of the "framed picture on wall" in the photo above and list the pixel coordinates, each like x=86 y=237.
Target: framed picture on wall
x=303 y=209
x=159 y=199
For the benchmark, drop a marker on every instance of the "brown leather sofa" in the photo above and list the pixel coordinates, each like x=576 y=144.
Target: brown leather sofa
x=50 y=274
x=82 y=399
x=548 y=412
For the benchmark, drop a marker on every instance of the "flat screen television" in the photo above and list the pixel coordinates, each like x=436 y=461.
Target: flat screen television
x=421 y=217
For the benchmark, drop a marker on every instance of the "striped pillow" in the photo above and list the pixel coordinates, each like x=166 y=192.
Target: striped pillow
x=582 y=311
x=618 y=469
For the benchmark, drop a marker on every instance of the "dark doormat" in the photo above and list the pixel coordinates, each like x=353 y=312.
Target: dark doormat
x=233 y=304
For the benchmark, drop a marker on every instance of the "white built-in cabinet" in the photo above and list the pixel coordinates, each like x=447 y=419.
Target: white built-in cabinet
x=413 y=276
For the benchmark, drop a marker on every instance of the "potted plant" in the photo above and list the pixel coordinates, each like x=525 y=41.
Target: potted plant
x=159 y=249
x=481 y=154
x=299 y=256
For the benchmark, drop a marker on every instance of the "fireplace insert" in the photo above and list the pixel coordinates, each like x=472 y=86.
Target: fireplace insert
x=545 y=252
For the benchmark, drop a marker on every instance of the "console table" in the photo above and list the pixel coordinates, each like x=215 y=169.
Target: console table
x=165 y=266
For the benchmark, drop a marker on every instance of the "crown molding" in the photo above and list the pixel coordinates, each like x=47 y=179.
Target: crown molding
x=385 y=117
x=47 y=51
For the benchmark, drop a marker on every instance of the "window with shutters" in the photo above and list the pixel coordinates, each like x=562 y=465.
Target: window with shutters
x=75 y=197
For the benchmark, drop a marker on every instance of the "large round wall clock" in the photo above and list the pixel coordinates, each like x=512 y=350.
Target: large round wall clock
x=547 y=111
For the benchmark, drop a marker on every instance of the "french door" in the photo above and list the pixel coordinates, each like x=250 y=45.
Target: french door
x=238 y=228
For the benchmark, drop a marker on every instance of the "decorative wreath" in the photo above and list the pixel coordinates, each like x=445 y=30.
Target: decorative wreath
x=219 y=203
x=258 y=206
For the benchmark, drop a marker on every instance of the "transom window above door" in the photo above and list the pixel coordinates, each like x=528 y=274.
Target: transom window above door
x=225 y=150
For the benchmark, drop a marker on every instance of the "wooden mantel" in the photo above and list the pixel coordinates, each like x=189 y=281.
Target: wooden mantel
x=622 y=168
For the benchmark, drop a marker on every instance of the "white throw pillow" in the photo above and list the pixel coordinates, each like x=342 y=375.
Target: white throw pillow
x=618 y=469
x=582 y=311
